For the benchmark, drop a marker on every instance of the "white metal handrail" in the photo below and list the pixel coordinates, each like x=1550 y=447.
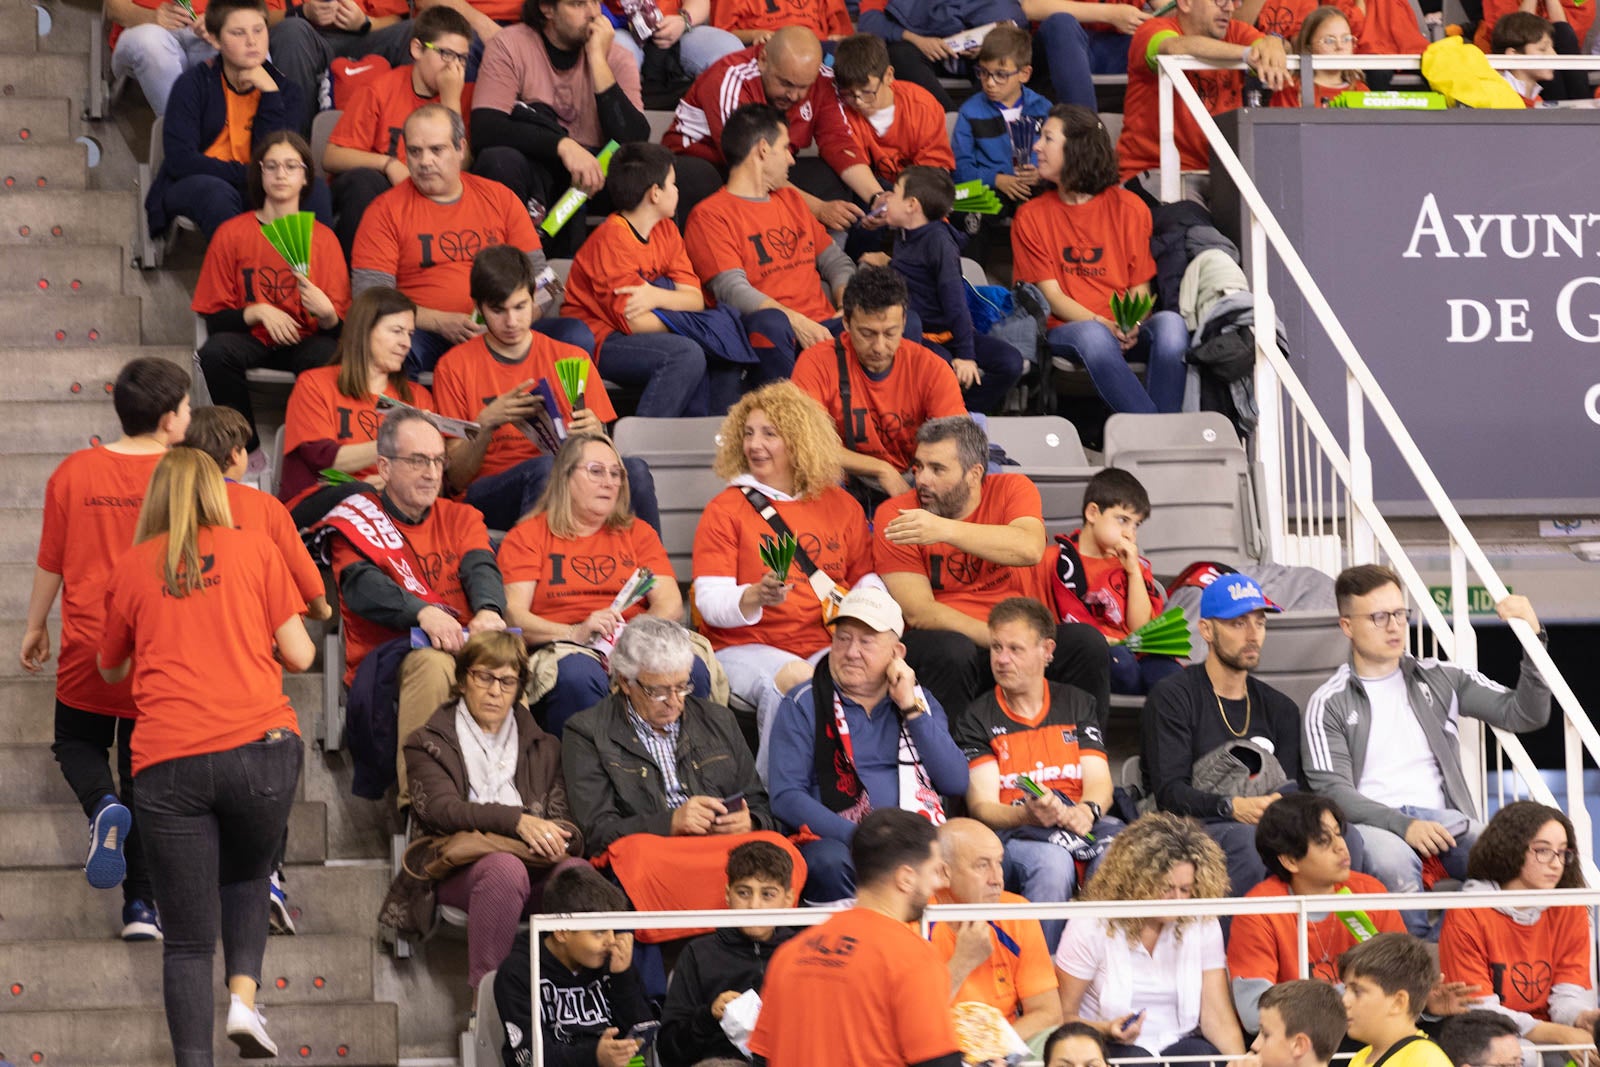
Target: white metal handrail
x=1273 y=372
x=1302 y=908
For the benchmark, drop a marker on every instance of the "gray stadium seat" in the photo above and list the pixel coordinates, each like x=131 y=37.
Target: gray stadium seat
x=1202 y=497
x=321 y=129
x=488 y=1031
x=154 y=246
x=973 y=273
x=1302 y=650
x=659 y=121
x=1049 y=452
x=679 y=452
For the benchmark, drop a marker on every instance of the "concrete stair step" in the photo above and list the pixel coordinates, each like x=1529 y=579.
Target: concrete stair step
x=44 y=166
x=75 y=375
x=16 y=582
x=53 y=836
x=71 y=270
x=334 y=1035
x=19 y=30
x=62 y=976
x=27 y=710
x=11 y=631
x=45 y=74
x=19 y=534
x=58 y=427
x=48 y=318
x=34 y=120
x=96 y=217
x=22 y=480
x=60 y=904
x=28 y=775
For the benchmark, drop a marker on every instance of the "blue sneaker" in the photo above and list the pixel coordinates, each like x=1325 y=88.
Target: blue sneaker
x=140 y=921
x=280 y=920
x=108 y=832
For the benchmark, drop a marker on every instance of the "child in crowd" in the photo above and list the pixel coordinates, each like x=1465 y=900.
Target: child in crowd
x=893 y=124
x=927 y=256
x=995 y=129
x=634 y=265
x=590 y=996
x=1386 y=985
x=1325 y=32
x=1077 y=1044
x=715 y=969
x=1570 y=24
x=1522 y=33
x=1302 y=1024
x=1111 y=586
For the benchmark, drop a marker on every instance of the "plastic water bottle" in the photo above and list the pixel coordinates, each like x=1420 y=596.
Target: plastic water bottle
x=574 y=198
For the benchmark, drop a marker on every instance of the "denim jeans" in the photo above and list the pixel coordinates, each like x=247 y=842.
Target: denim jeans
x=505 y=497
x=1398 y=866
x=1073 y=55
x=1044 y=872
x=1163 y=343
x=1135 y=675
x=211 y=826
x=1002 y=366
x=697 y=49
x=672 y=371
x=581 y=683
x=210 y=201
x=427 y=346
x=82 y=749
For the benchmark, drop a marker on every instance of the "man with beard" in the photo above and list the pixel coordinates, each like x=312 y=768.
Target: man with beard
x=1216 y=705
x=955 y=546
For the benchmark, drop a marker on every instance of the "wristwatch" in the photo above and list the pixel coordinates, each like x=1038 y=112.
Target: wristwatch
x=1094 y=809
x=1225 y=807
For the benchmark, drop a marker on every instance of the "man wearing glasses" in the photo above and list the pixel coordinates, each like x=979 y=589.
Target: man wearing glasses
x=1381 y=735
x=407 y=560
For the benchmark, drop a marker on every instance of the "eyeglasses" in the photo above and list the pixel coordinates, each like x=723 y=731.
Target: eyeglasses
x=1544 y=854
x=447 y=54
x=864 y=95
x=663 y=693
x=987 y=75
x=282 y=166
x=419 y=462
x=601 y=472
x=1381 y=619
x=495 y=683
x=1332 y=41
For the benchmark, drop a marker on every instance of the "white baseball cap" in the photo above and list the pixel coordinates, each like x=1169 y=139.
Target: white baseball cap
x=874 y=607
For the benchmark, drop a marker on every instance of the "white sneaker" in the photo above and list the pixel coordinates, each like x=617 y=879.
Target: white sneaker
x=247 y=1028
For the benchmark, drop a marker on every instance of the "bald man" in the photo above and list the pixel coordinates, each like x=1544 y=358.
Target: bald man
x=786 y=72
x=1004 y=963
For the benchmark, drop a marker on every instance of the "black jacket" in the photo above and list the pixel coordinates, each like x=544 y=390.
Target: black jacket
x=710 y=966
x=574 y=1009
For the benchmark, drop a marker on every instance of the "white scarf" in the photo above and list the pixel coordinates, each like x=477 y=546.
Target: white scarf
x=1115 y=996
x=917 y=794
x=490 y=759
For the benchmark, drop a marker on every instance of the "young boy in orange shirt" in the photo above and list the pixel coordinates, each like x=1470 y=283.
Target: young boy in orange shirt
x=1522 y=33
x=633 y=266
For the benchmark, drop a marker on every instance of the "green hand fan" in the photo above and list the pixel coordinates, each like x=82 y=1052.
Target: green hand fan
x=1165 y=635
x=329 y=476
x=778 y=553
x=1130 y=309
x=976 y=198
x=290 y=237
x=574 y=375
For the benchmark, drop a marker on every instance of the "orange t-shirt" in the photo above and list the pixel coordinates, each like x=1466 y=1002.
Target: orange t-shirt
x=1289 y=95
x=1050 y=748
x=317 y=411
x=91 y=508
x=860 y=981
x=577 y=576
x=233 y=144
x=826 y=18
x=964 y=582
x=448 y=532
x=886 y=413
x=242 y=268
x=615 y=255
x=1519 y=964
x=471 y=375
x=376 y=118
x=727 y=543
x=204 y=675
x=254 y=510
x=1018 y=967
x=1580 y=13
x=1092 y=250
x=774 y=241
x=1268 y=946
x=1139 y=147
x=429 y=247
x=916 y=135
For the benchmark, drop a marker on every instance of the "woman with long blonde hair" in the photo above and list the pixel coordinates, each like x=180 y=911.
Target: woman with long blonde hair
x=1156 y=982
x=780 y=453
x=204 y=616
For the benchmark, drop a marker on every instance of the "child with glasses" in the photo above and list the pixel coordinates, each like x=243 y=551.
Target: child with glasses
x=1325 y=32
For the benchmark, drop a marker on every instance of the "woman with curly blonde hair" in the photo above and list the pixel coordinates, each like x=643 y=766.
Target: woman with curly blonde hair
x=781 y=457
x=1157 y=982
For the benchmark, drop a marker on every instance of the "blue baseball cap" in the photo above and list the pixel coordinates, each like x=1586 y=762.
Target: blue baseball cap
x=1232 y=595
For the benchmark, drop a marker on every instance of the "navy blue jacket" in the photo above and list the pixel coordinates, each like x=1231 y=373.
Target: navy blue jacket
x=197 y=109
x=981 y=140
x=929 y=259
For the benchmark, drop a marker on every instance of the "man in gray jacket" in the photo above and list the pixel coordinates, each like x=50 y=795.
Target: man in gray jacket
x=1382 y=735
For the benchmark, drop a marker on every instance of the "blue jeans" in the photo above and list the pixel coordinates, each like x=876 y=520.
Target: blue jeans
x=1074 y=54
x=1398 y=866
x=427 y=346
x=1045 y=873
x=697 y=49
x=1163 y=343
x=1135 y=675
x=1002 y=366
x=210 y=201
x=505 y=497
x=830 y=872
x=581 y=683
x=676 y=377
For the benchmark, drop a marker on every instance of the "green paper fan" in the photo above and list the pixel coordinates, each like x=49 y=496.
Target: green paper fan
x=1130 y=309
x=1165 y=635
x=778 y=553
x=290 y=237
x=574 y=375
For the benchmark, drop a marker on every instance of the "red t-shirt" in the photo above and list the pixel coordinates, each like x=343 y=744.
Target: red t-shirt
x=615 y=255
x=375 y=120
x=1580 y=13
x=254 y=510
x=916 y=135
x=1092 y=250
x=199 y=9
x=1519 y=964
x=964 y=582
x=735 y=80
x=204 y=675
x=317 y=411
x=1139 y=147
x=242 y=268
x=91 y=508
x=577 y=576
x=727 y=543
x=470 y=376
x=861 y=981
x=448 y=532
x=1289 y=95
x=885 y=413
x=429 y=247
x=826 y=18
x=1106 y=599
x=1268 y=946
x=774 y=241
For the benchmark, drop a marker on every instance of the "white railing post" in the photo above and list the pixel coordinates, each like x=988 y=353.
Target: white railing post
x=1363 y=549
x=1171 y=166
x=1474 y=752
x=1269 y=403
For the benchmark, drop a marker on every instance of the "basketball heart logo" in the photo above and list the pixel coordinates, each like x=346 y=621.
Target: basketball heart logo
x=276 y=286
x=594 y=569
x=962 y=567
x=784 y=241
x=368 y=421
x=432 y=567
x=460 y=245
x=811 y=545
x=1276 y=22
x=1531 y=980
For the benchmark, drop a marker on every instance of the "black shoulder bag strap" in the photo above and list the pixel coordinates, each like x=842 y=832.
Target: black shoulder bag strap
x=821 y=583
x=844 y=396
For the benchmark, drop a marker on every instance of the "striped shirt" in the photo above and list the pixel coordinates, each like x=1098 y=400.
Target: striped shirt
x=662 y=744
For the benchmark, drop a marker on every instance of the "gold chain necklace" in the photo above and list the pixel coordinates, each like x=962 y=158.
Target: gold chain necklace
x=1223 y=712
